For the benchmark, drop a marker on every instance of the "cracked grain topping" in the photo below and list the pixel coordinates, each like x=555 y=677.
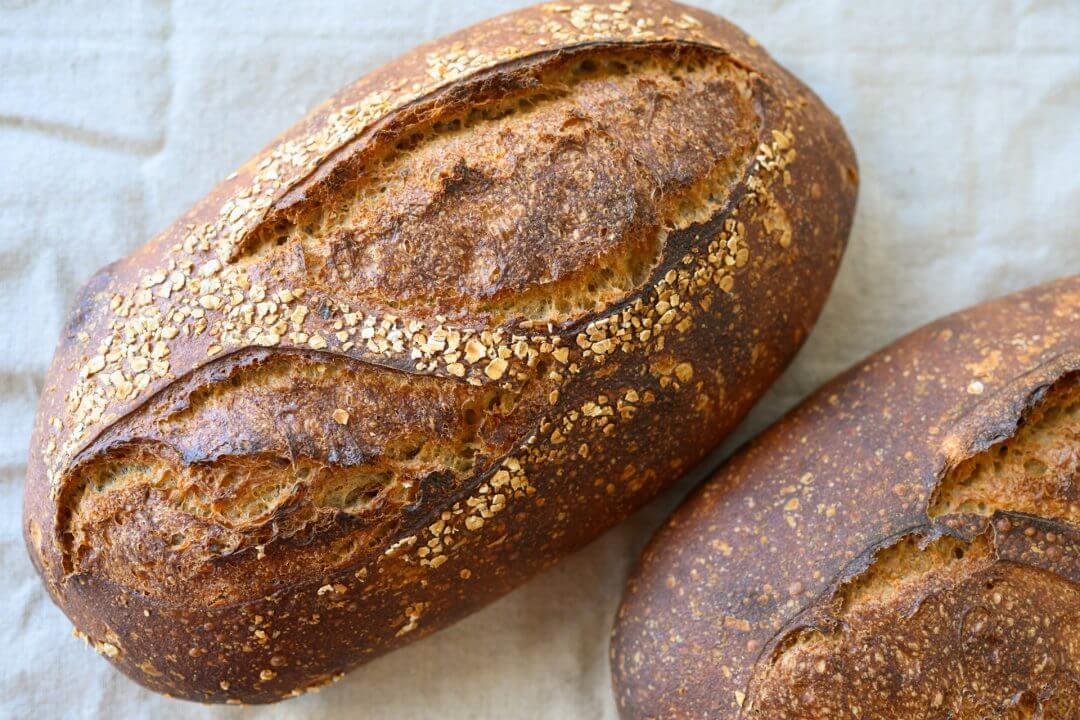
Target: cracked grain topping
x=439 y=334
x=899 y=546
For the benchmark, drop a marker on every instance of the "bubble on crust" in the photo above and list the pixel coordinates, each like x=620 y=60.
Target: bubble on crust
x=887 y=631
x=1033 y=471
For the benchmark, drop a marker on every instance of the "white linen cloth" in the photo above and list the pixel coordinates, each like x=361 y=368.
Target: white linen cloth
x=116 y=116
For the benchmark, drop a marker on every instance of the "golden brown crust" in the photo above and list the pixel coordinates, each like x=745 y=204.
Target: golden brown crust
x=905 y=542
x=301 y=405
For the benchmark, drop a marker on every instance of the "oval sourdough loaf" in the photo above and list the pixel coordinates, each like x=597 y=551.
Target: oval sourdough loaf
x=447 y=329
x=905 y=544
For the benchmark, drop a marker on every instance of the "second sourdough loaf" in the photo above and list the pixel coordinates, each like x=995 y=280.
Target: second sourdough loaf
x=903 y=545
x=447 y=329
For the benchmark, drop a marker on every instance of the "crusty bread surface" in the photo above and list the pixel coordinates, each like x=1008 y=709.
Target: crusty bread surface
x=444 y=331
x=903 y=545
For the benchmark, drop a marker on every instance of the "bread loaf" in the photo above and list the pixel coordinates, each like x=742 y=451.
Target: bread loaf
x=905 y=544
x=447 y=329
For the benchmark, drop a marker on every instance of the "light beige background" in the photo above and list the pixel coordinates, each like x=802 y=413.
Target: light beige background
x=116 y=116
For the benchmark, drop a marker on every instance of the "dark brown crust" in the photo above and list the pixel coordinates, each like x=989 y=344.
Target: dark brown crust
x=257 y=610
x=760 y=553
